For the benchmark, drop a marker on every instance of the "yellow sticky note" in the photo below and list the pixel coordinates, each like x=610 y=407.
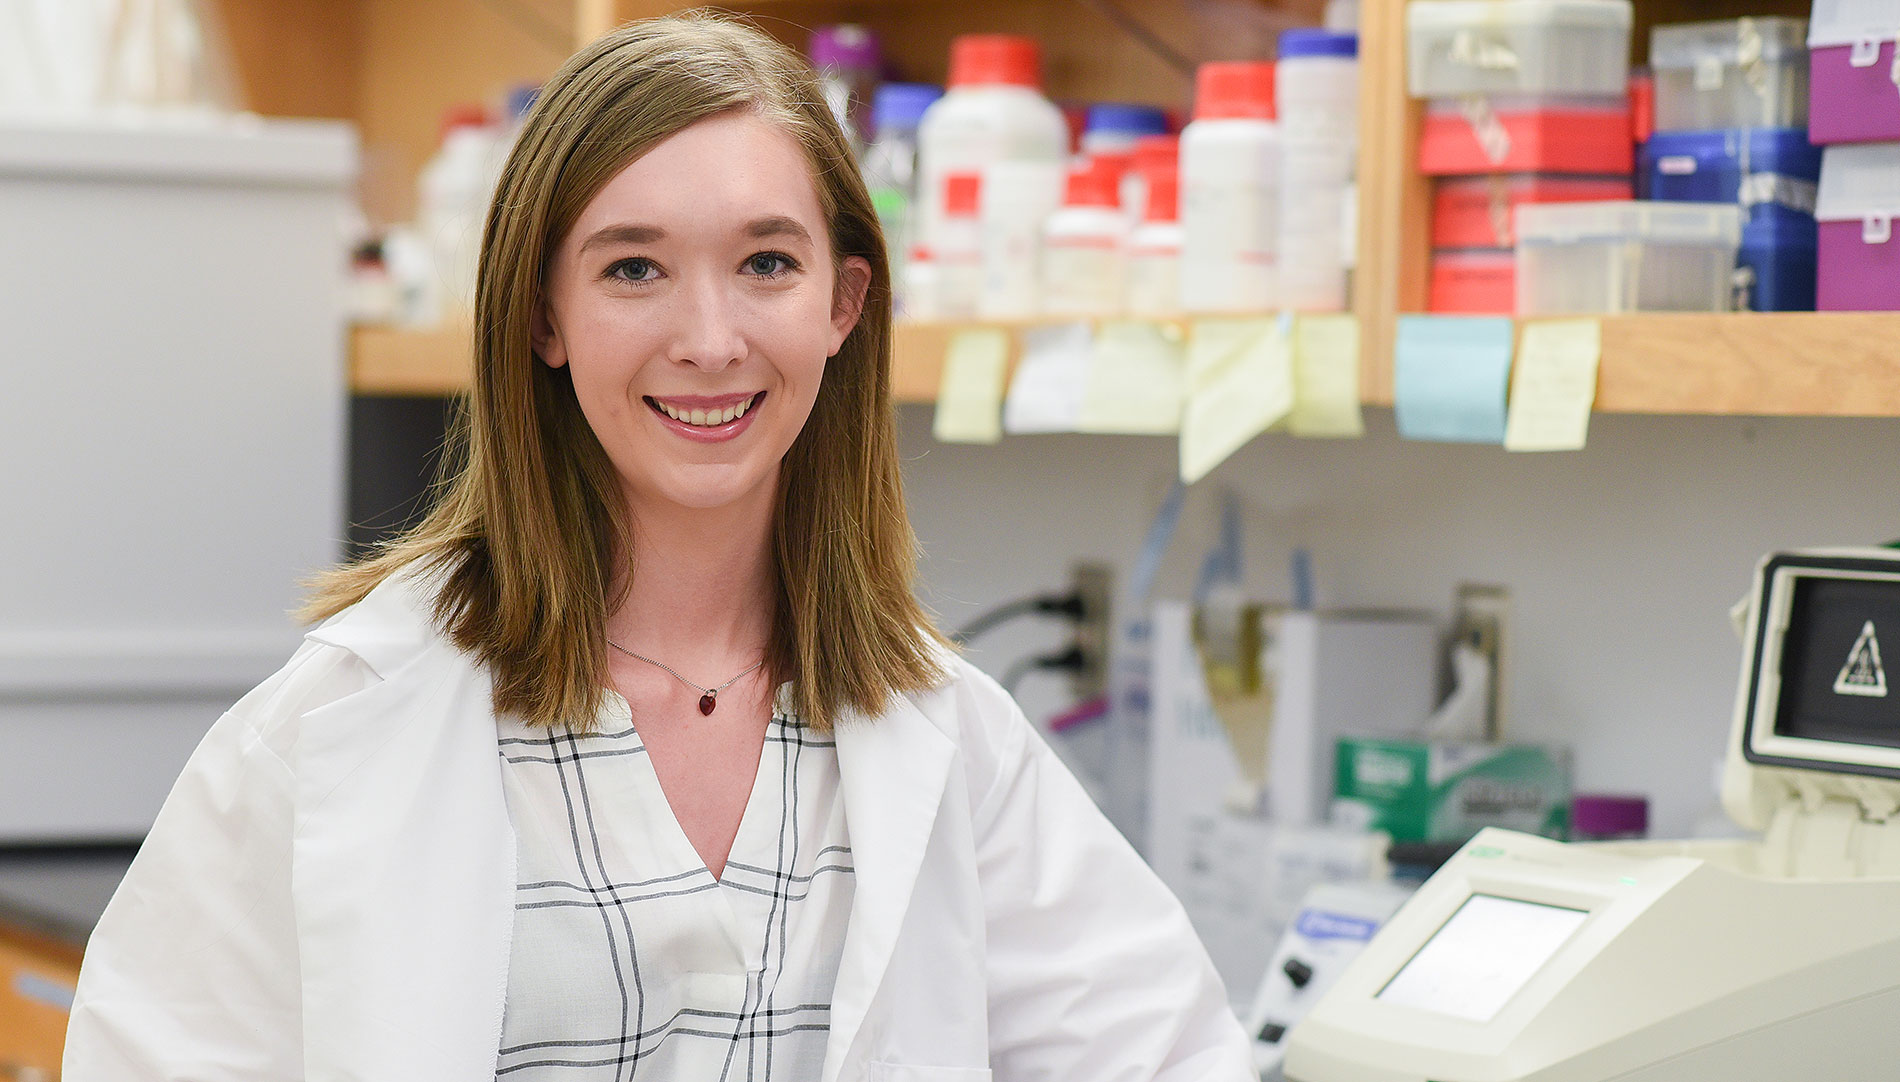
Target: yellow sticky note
x=1240 y=383
x=1554 y=385
x=1134 y=380
x=970 y=396
x=1326 y=376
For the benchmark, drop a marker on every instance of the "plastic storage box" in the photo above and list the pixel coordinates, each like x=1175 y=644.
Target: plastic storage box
x=1859 y=245
x=1734 y=73
x=1460 y=47
x=1476 y=281
x=1475 y=212
x=1626 y=257
x=1766 y=165
x=1778 y=259
x=1854 y=94
x=1526 y=135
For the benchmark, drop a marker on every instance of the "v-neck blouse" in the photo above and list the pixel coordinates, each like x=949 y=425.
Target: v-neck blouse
x=630 y=960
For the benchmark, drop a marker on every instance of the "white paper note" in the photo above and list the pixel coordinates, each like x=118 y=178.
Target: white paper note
x=1045 y=395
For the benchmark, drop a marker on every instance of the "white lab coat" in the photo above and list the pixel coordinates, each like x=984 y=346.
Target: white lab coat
x=327 y=895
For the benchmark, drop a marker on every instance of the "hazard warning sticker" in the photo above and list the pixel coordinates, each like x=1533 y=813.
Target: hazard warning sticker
x=1863 y=674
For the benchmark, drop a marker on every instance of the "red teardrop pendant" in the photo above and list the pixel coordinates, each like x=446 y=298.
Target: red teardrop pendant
x=706 y=704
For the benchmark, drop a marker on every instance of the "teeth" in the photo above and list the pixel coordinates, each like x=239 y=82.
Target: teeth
x=705 y=419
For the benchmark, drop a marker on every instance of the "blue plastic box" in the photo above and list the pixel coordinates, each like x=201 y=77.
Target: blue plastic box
x=1779 y=250
x=1710 y=166
x=1772 y=172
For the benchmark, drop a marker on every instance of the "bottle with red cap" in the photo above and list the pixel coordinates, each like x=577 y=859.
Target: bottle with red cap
x=1154 y=248
x=994 y=121
x=452 y=202
x=1082 y=244
x=1230 y=171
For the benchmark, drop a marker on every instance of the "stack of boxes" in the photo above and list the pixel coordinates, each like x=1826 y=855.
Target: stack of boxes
x=1731 y=111
x=1528 y=104
x=1855 y=114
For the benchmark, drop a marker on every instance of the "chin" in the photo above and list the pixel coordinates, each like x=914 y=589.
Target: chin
x=709 y=487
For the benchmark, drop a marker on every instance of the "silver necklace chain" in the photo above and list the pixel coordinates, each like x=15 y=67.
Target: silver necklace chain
x=713 y=692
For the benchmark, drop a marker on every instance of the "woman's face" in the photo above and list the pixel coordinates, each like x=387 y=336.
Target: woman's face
x=695 y=303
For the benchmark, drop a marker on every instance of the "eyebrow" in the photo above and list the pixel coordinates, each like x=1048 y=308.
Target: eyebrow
x=777 y=225
x=623 y=234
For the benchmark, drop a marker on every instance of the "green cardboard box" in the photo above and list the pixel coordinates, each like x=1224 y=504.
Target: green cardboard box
x=1419 y=791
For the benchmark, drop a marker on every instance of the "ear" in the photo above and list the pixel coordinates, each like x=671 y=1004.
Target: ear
x=546 y=336
x=847 y=299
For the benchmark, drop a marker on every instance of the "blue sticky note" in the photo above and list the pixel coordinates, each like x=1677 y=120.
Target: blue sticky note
x=1450 y=377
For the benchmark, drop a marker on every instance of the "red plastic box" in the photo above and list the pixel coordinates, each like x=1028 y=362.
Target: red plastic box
x=1474 y=281
x=1527 y=135
x=1476 y=212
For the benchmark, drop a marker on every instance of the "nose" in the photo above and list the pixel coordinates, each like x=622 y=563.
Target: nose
x=707 y=332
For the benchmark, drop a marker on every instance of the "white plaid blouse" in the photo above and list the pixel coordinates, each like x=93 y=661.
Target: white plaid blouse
x=630 y=961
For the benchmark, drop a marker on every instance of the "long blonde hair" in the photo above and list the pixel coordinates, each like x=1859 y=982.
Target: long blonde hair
x=527 y=526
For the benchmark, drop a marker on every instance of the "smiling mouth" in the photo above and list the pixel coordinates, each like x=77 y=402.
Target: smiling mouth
x=704 y=418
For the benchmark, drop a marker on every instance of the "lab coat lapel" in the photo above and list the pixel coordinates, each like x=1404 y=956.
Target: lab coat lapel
x=892 y=771
x=402 y=870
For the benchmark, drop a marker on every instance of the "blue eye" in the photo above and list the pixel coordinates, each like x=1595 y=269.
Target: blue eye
x=770 y=264
x=634 y=270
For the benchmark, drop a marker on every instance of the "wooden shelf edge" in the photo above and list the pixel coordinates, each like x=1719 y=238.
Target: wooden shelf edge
x=1792 y=364
x=1813 y=364
x=401 y=361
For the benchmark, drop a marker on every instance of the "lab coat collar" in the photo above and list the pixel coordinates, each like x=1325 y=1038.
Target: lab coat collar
x=403 y=859
x=403 y=863
x=892 y=772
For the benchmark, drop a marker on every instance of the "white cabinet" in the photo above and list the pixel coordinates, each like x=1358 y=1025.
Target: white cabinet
x=171 y=441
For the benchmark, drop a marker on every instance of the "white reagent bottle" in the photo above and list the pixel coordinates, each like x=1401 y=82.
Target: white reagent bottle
x=994 y=121
x=1318 y=94
x=1082 y=245
x=959 y=251
x=1154 y=249
x=1230 y=199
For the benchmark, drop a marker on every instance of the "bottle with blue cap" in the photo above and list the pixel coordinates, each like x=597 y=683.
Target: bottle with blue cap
x=1318 y=88
x=890 y=166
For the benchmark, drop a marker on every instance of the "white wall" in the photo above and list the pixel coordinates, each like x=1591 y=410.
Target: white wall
x=1622 y=560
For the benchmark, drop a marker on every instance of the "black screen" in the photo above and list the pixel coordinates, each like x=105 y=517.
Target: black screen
x=1834 y=683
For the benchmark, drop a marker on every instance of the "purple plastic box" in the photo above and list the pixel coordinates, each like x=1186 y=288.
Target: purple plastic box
x=1859 y=212
x=1853 y=87
x=1857 y=273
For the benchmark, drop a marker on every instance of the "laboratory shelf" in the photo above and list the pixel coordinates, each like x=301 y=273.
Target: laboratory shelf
x=1814 y=364
x=1750 y=364
x=401 y=361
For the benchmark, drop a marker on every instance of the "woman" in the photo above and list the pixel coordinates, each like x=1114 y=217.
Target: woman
x=638 y=758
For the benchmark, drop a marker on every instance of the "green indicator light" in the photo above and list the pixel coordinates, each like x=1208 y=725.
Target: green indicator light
x=1628 y=880
x=1487 y=852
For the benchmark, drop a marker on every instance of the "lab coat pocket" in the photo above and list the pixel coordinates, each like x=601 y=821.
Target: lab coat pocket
x=904 y=1072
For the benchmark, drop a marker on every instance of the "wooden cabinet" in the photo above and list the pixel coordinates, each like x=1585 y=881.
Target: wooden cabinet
x=398 y=63
x=36 y=982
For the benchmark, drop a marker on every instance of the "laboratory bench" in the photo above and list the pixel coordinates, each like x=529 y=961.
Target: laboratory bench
x=50 y=900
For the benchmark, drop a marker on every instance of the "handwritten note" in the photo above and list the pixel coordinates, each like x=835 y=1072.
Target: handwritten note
x=970 y=394
x=1135 y=380
x=1240 y=383
x=1326 y=376
x=1045 y=395
x=1450 y=377
x=1554 y=385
